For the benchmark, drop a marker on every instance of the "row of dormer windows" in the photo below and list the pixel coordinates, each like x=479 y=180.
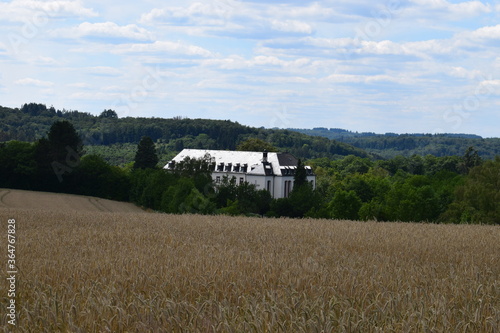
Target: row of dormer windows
x=229 y=167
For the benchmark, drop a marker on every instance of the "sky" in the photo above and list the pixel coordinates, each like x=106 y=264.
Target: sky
x=401 y=66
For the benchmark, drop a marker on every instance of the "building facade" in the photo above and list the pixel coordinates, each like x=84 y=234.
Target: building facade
x=271 y=171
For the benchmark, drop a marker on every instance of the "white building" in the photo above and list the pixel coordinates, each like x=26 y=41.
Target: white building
x=271 y=171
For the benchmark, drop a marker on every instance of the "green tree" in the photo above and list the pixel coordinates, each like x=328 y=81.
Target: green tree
x=97 y=178
x=17 y=165
x=354 y=164
x=300 y=177
x=478 y=199
x=148 y=186
x=238 y=199
x=199 y=170
x=470 y=159
x=57 y=156
x=175 y=199
x=345 y=205
x=64 y=141
x=146 y=157
x=109 y=114
x=413 y=199
x=373 y=210
x=281 y=207
x=196 y=203
x=255 y=144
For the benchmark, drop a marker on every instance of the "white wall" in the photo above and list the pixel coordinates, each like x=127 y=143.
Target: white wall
x=260 y=182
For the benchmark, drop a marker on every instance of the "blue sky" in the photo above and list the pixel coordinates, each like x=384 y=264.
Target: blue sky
x=400 y=66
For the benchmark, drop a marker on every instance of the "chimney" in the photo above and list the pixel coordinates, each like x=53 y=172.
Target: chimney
x=264 y=158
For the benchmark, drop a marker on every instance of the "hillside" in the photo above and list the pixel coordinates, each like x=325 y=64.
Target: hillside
x=116 y=138
x=32 y=122
x=17 y=199
x=389 y=145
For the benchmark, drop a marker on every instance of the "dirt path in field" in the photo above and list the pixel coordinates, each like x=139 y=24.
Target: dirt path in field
x=3 y=193
x=61 y=202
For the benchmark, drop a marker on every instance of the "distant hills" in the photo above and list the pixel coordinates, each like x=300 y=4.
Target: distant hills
x=389 y=145
x=116 y=138
x=32 y=121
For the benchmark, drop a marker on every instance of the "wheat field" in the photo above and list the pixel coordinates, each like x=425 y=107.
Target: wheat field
x=144 y=272
x=61 y=202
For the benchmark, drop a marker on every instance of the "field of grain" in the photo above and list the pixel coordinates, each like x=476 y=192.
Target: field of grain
x=139 y=272
x=61 y=202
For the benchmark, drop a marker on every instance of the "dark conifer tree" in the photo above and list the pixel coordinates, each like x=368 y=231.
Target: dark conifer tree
x=64 y=140
x=300 y=178
x=146 y=157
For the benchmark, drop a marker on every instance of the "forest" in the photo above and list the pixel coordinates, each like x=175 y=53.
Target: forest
x=389 y=145
x=353 y=185
x=32 y=121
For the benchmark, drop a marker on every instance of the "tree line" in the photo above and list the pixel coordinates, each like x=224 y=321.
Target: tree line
x=453 y=189
x=390 y=145
x=32 y=121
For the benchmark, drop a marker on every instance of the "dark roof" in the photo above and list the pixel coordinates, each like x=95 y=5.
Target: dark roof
x=286 y=159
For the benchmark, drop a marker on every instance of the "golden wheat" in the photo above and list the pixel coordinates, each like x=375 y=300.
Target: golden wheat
x=117 y=272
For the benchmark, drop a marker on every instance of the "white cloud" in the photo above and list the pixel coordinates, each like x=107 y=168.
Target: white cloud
x=3 y=50
x=236 y=62
x=94 y=96
x=463 y=73
x=80 y=85
x=452 y=11
x=178 y=48
x=368 y=79
x=236 y=19
x=115 y=89
x=424 y=56
x=344 y=48
x=292 y=79
x=59 y=8
x=385 y=47
x=488 y=87
x=314 y=11
x=267 y=60
x=492 y=32
x=38 y=12
x=232 y=62
x=198 y=13
x=46 y=60
x=105 y=30
x=34 y=82
x=344 y=78
x=291 y=26
x=103 y=71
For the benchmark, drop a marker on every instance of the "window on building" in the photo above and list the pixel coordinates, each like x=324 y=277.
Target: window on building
x=288 y=188
x=242 y=180
x=217 y=179
x=269 y=185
